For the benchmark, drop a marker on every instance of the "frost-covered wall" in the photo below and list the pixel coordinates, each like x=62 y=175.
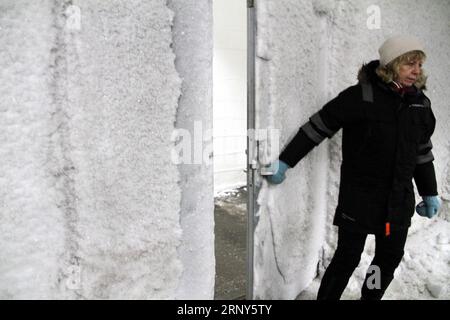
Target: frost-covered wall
x=193 y=44
x=92 y=206
x=307 y=52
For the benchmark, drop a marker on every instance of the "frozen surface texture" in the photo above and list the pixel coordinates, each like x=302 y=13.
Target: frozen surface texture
x=89 y=197
x=307 y=52
x=192 y=33
x=32 y=227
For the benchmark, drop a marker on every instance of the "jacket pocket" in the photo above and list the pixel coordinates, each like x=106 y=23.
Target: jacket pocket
x=364 y=203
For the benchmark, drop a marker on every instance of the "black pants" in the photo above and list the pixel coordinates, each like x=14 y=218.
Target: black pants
x=388 y=254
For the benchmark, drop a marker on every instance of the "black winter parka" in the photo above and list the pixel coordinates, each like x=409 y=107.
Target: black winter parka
x=385 y=144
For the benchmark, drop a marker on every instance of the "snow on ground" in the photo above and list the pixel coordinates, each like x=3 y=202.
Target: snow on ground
x=423 y=273
x=230 y=217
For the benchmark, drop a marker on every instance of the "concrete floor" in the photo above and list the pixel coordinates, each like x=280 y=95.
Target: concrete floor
x=230 y=213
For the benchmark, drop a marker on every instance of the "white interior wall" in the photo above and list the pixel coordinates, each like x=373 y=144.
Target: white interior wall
x=230 y=93
x=307 y=52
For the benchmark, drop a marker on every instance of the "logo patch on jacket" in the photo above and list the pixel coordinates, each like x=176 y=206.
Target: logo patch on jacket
x=347 y=217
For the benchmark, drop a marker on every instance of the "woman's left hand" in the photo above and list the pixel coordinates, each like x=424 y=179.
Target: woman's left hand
x=429 y=207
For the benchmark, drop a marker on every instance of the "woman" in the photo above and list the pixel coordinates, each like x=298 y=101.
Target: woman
x=387 y=124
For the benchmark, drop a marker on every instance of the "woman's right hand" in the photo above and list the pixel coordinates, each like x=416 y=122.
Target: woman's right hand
x=279 y=174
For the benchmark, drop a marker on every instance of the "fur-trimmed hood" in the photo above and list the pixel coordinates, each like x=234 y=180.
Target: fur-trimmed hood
x=367 y=74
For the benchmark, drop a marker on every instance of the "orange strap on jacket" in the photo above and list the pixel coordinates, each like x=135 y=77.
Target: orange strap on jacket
x=388 y=229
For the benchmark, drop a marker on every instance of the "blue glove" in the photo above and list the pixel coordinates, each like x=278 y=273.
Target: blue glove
x=429 y=207
x=280 y=174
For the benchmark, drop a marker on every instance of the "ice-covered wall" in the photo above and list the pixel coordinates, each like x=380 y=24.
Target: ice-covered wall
x=307 y=52
x=192 y=32
x=287 y=92
x=91 y=204
x=32 y=227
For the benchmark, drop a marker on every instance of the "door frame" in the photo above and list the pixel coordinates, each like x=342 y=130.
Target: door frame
x=252 y=163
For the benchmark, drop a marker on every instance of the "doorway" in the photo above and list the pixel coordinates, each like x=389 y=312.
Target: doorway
x=230 y=143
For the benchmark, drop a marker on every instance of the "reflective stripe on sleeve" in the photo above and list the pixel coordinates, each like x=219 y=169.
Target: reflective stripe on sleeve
x=312 y=133
x=425 y=158
x=318 y=122
x=424 y=146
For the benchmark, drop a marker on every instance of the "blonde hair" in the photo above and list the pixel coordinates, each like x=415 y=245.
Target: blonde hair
x=390 y=72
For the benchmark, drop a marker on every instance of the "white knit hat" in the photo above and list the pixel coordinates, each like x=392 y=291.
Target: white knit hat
x=396 y=46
